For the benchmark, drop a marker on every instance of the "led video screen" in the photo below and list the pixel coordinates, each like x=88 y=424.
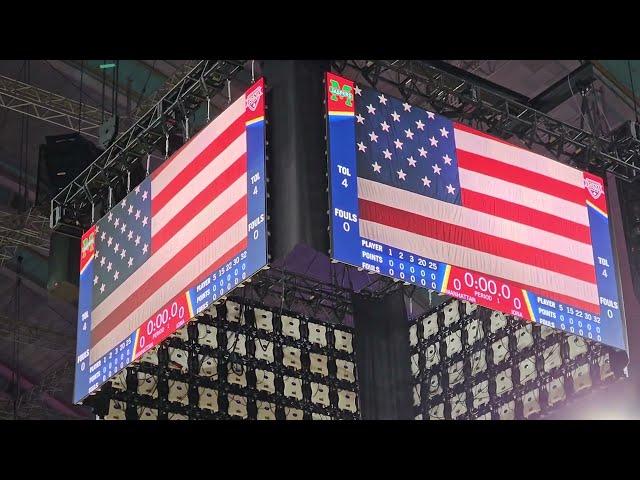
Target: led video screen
x=435 y=203
x=187 y=235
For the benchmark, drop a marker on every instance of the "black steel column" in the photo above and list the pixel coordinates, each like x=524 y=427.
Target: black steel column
x=383 y=357
x=297 y=162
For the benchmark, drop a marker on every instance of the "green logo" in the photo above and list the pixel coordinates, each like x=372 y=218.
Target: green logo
x=343 y=91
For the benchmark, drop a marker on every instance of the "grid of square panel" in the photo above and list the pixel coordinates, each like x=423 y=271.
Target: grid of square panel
x=240 y=361
x=469 y=362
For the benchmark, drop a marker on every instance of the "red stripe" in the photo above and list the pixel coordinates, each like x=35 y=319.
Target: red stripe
x=200 y=201
x=208 y=155
x=482 y=242
x=468 y=129
x=520 y=176
x=525 y=215
x=189 y=251
x=567 y=300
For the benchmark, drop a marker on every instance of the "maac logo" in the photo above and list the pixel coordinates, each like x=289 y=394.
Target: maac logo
x=87 y=244
x=336 y=91
x=595 y=188
x=254 y=98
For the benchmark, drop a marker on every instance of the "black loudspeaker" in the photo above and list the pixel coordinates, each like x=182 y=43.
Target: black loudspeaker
x=64 y=267
x=62 y=158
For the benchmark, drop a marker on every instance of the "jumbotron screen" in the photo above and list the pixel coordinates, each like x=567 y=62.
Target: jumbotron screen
x=434 y=203
x=187 y=235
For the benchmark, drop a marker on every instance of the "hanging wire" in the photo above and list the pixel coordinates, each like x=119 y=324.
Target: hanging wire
x=633 y=91
x=81 y=91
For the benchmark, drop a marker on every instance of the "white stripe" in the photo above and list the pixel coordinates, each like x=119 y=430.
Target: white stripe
x=178 y=283
x=518 y=157
x=198 y=183
x=475 y=220
x=157 y=260
x=524 y=196
x=479 y=261
x=197 y=144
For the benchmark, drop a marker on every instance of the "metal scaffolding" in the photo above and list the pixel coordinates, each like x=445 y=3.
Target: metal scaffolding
x=28 y=229
x=50 y=107
x=491 y=112
x=74 y=206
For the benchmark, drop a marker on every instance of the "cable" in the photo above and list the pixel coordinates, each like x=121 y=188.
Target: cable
x=633 y=91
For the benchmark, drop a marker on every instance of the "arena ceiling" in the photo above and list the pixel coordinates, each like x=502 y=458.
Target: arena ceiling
x=47 y=329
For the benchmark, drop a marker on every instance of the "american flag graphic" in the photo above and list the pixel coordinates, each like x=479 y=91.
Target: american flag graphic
x=185 y=220
x=448 y=192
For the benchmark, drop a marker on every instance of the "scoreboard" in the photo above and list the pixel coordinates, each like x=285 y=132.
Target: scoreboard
x=187 y=235
x=437 y=204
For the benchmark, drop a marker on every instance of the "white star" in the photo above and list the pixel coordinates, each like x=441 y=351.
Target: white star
x=123 y=228
x=144 y=221
x=144 y=195
x=371 y=109
x=447 y=159
x=117 y=222
x=444 y=132
x=138 y=189
x=436 y=169
x=116 y=247
x=137 y=214
x=358 y=91
x=102 y=237
x=419 y=125
x=412 y=162
x=384 y=126
x=109 y=267
x=97 y=228
x=130 y=262
x=116 y=275
x=431 y=115
x=376 y=167
x=123 y=203
x=110 y=241
x=382 y=98
x=398 y=143
x=406 y=106
x=387 y=153
x=360 y=119
x=409 y=133
x=130 y=235
x=123 y=253
x=434 y=142
x=97 y=254
x=130 y=209
x=102 y=288
x=95 y=280
x=396 y=117
x=362 y=147
x=110 y=216
x=373 y=137
x=401 y=175
x=137 y=240
x=426 y=182
x=451 y=189
x=144 y=248
x=102 y=261
x=423 y=152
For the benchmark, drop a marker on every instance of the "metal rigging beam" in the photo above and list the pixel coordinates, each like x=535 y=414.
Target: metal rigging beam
x=50 y=107
x=29 y=229
x=469 y=103
x=74 y=205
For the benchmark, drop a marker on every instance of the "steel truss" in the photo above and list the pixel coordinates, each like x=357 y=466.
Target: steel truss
x=488 y=111
x=75 y=205
x=30 y=229
x=329 y=301
x=50 y=107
